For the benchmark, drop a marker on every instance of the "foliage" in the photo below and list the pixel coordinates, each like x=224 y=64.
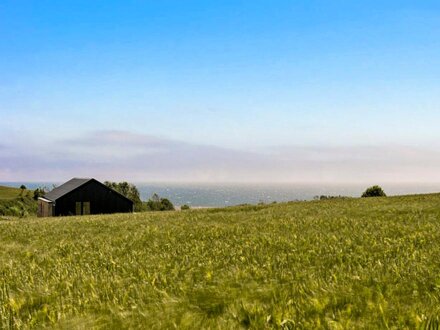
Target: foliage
x=157 y=203
x=20 y=207
x=324 y=197
x=332 y=264
x=128 y=190
x=185 y=207
x=16 y=202
x=23 y=187
x=39 y=192
x=374 y=191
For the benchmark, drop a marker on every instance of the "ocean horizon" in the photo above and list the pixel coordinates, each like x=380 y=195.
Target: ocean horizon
x=229 y=194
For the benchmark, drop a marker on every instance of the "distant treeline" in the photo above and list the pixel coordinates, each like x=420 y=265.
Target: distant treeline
x=373 y=191
x=324 y=197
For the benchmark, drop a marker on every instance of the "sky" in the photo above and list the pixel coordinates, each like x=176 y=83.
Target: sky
x=220 y=91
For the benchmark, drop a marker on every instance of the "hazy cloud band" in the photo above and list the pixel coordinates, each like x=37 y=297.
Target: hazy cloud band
x=121 y=155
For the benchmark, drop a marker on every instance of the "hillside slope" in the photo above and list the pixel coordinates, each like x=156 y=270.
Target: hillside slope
x=359 y=263
x=17 y=203
x=11 y=192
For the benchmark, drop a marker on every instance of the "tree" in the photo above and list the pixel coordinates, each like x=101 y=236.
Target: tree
x=22 y=189
x=156 y=203
x=185 y=207
x=166 y=204
x=39 y=192
x=374 y=191
x=155 y=198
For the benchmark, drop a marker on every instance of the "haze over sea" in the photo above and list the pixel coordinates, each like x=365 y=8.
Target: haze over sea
x=220 y=195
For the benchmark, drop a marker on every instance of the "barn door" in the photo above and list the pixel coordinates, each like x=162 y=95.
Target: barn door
x=86 y=208
x=82 y=208
x=78 y=208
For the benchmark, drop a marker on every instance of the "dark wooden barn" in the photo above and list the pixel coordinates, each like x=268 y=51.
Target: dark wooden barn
x=81 y=197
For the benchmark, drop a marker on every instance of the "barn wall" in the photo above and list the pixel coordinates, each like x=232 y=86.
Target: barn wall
x=102 y=200
x=45 y=209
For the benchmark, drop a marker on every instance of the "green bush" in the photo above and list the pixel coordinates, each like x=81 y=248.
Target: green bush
x=39 y=192
x=19 y=207
x=325 y=197
x=156 y=203
x=374 y=191
x=185 y=207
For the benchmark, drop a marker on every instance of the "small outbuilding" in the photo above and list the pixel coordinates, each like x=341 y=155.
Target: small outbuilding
x=81 y=197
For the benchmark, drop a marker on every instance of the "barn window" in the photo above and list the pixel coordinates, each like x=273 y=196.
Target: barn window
x=78 y=208
x=86 y=208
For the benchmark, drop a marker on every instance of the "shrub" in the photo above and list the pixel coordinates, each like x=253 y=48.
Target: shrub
x=39 y=192
x=22 y=189
x=185 y=207
x=325 y=197
x=167 y=205
x=374 y=191
x=156 y=203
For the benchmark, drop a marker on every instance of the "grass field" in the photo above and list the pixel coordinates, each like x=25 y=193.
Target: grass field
x=336 y=264
x=11 y=193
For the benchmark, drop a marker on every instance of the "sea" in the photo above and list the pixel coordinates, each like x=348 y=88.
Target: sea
x=221 y=195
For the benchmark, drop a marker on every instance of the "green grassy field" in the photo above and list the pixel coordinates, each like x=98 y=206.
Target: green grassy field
x=336 y=264
x=10 y=192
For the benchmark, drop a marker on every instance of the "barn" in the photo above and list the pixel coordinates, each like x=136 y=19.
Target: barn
x=83 y=196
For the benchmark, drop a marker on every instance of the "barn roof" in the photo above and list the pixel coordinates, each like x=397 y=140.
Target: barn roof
x=65 y=188
x=73 y=184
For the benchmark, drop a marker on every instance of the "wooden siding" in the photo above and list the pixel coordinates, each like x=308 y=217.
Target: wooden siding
x=45 y=209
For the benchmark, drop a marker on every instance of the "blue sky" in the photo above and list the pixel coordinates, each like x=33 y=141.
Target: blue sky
x=231 y=82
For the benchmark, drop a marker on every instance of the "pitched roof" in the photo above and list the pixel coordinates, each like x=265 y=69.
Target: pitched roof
x=65 y=188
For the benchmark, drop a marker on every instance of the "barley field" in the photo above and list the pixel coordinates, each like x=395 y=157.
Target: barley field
x=335 y=264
